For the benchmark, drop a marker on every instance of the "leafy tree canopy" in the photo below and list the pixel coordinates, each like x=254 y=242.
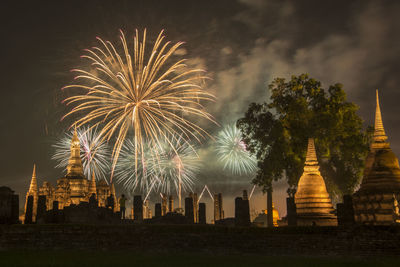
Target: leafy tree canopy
x=277 y=133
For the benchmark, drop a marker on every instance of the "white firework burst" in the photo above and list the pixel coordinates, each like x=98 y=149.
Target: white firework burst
x=232 y=151
x=95 y=154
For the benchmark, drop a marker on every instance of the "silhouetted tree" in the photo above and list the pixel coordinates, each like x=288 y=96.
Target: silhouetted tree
x=277 y=133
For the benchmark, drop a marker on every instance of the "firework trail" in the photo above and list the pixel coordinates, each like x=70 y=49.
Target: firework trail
x=232 y=152
x=133 y=176
x=151 y=94
x=161 y=168
x=178 y=165
x=95 y=154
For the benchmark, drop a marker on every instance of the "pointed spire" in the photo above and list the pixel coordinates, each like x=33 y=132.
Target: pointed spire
x=311 y=164
x=75 y=168
x=313 y=203
x=379 y=131
x=311 y=156
x=33 y=186
x=75 y=138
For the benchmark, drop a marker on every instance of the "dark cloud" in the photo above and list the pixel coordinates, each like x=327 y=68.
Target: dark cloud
x=243 y=45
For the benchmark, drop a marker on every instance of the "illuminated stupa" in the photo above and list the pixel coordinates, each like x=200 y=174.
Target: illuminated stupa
x=376 y=202
x=78 y=183
x=262 y=218
x=313 y=204
x=73 y=188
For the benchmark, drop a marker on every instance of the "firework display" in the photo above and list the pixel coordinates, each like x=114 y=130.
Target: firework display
x=178 y=165
x=95 y=154
x=149 y=93
x=232 y=152
x=133 y=176
x=173 y=164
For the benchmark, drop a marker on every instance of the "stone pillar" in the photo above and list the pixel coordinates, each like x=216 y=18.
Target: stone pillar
x=238 y=211
x=146 y=210
x=195 y=208
x=270 y=211
x=55 y=212
x=246 y=212
x=7 y=205
x=15 y=209
x=291 y=211
x=171 y=204
x=41 y=209
x=202 y=213
x=29 y=210
x=189 y=209
x=157 y=210
x=137 y=208
x=242 y=212
x=164 y=205
x=245 y=197
x=218 y=207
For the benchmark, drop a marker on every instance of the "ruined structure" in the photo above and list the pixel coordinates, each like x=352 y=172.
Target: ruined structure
x=376 y=202
x=33 y=191
x=147 y=214
x=313 y=204
x=9 y=205
x=164 y=205
x=262 y=219
x=195 y=206
x=218 y=207
x=74 y=188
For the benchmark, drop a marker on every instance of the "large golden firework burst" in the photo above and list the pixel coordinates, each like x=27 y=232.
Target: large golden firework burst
x=152 y=94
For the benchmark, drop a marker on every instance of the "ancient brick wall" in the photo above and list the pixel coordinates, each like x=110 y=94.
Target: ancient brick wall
x=206 y=238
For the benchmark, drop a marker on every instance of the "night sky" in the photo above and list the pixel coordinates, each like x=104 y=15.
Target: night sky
x=242 y=44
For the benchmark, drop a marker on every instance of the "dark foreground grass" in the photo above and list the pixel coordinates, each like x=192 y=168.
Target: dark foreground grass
x=129 y=258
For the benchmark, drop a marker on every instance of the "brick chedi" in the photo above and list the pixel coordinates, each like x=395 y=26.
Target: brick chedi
x=376 y=202
x=313 y=204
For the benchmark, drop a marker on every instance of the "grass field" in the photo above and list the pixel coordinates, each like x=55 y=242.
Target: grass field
x=129 y=258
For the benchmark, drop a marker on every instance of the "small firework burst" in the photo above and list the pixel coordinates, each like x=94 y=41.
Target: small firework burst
x=232 y=151
x=95 y=154
x=166 y=166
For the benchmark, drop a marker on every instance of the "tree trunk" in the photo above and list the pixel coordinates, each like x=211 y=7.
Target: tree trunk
x=269 y=208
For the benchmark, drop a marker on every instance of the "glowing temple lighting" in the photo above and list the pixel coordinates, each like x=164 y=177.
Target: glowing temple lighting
x=232 y=152
x=95 y=154
x=149 y=93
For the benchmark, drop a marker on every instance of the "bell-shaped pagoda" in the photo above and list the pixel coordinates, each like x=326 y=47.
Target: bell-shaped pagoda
x=313 y=204
x=376 y=202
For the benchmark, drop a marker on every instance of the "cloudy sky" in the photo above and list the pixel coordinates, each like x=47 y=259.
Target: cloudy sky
x=242 y=44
